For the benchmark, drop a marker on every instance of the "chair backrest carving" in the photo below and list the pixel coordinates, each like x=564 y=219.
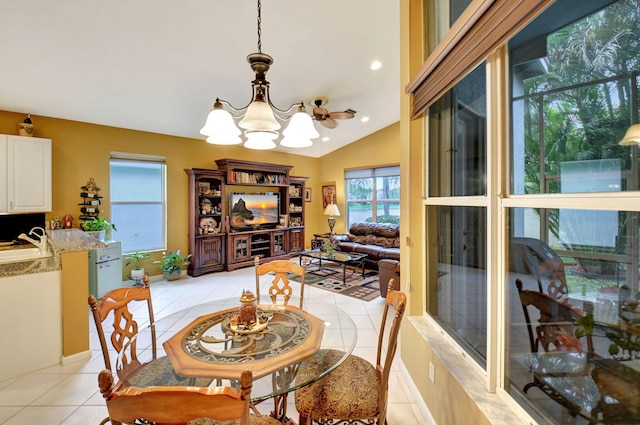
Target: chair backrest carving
x=556 y=323
x=280 y=285
x=177 y=404
x=116 y=304
x=396 y=303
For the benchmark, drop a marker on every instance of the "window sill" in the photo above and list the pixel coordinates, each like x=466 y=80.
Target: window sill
x=466 y=372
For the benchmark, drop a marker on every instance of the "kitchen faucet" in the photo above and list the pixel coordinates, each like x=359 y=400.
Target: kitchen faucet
x=42 y=238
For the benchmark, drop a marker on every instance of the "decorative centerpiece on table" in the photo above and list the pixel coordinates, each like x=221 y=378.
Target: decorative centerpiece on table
x=248 y=320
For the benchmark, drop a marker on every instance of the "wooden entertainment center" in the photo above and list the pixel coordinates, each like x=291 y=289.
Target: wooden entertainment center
x=216 y=244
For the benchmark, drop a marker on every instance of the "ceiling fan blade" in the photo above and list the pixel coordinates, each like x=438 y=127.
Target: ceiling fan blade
x=320 y=112
x=341 y=115
x=329 y=123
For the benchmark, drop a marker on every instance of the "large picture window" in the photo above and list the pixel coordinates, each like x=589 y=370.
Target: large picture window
x=532 y=235
x=373 y=195
x=138 y=202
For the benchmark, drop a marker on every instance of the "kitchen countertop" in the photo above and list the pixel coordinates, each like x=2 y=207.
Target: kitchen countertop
x=60 y=241
x=73 y=240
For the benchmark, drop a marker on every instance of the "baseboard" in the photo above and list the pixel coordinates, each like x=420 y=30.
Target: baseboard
x=75 y=358
x=426 y=417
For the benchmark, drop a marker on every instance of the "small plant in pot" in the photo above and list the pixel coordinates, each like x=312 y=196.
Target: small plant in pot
x=137 y=260
x=99 y=224
x=173 y=263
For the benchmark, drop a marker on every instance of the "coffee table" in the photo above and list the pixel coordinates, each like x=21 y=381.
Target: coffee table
x=352 y=259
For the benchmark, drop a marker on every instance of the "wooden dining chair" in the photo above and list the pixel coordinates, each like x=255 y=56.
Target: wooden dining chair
x=279 y=286
x=116 y=306
x=356 y=391
x=182 y=405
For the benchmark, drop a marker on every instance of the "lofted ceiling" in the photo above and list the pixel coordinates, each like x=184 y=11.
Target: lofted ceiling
x=158 y=65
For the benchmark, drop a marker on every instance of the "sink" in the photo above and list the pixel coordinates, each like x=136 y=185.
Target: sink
x=22 y=254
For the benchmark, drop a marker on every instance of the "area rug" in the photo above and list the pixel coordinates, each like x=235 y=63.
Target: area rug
x=329 y=278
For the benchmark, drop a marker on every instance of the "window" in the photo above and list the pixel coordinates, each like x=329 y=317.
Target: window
x=574 y=76
x=373 y=194
x=138 y=201
x=530 y=191
x=457 y=160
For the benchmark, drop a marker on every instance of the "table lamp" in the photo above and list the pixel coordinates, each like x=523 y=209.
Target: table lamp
x=331 y=210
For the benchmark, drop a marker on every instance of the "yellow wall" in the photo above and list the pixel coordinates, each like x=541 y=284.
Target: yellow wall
x=378 y=149
x=81 y=151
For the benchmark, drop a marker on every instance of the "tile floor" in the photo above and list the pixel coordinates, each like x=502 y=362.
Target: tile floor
x=69 y=395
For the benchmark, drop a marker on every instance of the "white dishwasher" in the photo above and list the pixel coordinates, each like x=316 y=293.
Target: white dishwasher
x=105 y=269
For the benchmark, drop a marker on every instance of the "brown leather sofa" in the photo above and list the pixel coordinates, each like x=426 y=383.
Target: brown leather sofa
x=389 y=269
x=380 y=241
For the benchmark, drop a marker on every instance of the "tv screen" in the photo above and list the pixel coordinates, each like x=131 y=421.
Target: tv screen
x=253 y=210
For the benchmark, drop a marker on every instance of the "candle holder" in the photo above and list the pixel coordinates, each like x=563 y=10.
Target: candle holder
x=247 y=315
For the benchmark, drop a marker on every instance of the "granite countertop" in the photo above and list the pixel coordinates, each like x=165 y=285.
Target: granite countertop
x=73 y=240
x=60 y=241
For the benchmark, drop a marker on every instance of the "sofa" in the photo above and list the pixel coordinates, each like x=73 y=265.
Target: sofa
x=388 y=269
x=379 y=241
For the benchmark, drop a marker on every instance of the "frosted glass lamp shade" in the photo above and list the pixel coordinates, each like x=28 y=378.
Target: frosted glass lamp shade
x=631 y=137
x=259 y=118
x=260 y=140
x=220 y=128
x=224 y=139
x=299 y=131
x=301 y=125
x=291 y=142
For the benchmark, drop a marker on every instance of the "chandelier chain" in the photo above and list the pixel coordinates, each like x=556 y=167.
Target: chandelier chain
x=259 y=26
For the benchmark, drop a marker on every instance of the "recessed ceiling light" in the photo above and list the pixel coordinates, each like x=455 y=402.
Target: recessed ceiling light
x=375 y=65
x=364 y=119
x=325 y=139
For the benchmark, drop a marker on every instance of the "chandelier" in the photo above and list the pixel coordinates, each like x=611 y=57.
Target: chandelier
x=258 y=118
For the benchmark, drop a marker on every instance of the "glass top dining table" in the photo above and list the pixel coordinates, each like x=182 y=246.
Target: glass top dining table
x=202 y=342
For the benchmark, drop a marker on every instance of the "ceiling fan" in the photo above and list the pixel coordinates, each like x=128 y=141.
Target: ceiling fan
x=326 y=118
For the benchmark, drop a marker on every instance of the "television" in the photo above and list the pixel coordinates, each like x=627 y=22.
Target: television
x=254 y=210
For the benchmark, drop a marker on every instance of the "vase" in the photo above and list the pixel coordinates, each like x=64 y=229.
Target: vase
x=137 y=274
x=172 y=275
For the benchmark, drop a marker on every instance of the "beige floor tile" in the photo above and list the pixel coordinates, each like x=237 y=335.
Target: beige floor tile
x=69 y=395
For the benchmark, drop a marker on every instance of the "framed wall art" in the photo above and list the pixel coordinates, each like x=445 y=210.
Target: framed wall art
x=307 y=194
x=328 y=195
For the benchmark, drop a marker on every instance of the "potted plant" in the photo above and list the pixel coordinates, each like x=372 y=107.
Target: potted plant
x=99 y=224
x=172 y=264
x=330 y=248
x=137 y=260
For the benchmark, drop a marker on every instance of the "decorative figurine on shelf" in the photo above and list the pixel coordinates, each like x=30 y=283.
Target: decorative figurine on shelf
x=67 y=221
x=247 y=315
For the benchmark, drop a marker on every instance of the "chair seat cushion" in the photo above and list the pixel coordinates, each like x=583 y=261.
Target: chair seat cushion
x=160 y=372
x=350 y=391
x=253 y=420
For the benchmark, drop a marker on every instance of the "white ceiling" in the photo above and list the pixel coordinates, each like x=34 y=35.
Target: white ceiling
x=158 y=65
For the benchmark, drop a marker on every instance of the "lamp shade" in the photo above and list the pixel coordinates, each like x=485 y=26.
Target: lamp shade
x=291 y=142
x=299 y=131
x=259 y=117
x=332 y=209
x=260 y=140
x=220 y=128
x=632 y=136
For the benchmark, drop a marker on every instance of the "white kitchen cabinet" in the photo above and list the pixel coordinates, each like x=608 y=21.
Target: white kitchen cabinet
x=31 y=314
x=26 y=185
